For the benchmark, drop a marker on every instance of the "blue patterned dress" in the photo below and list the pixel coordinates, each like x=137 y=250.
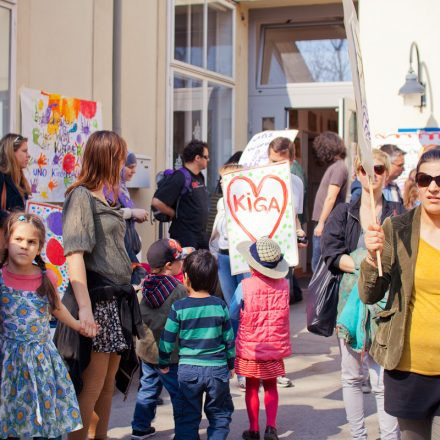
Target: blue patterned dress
x=37 y=398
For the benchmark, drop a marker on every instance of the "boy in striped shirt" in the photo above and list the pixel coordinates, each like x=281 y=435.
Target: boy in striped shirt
x=206 y=351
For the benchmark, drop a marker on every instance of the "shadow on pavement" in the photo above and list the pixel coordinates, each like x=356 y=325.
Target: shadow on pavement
x=315 y=368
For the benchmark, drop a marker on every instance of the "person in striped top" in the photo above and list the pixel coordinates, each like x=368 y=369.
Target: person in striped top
x=206 y=351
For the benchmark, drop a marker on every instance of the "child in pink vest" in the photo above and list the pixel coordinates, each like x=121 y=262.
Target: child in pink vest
x=261 y=304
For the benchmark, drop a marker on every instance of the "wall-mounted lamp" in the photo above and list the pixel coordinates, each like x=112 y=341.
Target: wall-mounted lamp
x=413 y=91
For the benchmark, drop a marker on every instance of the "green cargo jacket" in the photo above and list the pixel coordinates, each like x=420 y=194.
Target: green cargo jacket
x=399 y=258
x=154 y=321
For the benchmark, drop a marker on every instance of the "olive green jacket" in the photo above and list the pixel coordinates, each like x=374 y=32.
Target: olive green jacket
x=154 y=321
x=399 y=258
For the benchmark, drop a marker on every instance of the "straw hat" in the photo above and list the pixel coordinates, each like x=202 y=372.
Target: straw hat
x=265 y=257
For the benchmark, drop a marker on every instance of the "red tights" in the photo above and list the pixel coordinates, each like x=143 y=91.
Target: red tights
x=253 y=402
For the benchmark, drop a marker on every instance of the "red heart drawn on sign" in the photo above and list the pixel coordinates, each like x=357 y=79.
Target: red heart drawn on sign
x=256 y=190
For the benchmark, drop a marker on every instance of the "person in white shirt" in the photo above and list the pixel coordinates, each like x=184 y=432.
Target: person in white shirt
x=219 y=245
x=282 y=149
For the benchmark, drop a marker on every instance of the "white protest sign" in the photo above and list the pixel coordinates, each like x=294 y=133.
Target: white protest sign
x=255 y=153
x=258 y=203
x=357 y=73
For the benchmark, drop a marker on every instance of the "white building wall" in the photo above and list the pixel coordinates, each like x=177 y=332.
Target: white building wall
x=66 y=47
x=388 y=27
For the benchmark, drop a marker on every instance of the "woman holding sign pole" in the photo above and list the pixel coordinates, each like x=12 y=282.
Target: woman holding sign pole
x=343 y=249
x=407 y=343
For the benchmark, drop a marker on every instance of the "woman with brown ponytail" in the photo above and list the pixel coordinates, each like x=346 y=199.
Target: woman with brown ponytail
x=99 y=292
x=14 y=158
x=37 y=398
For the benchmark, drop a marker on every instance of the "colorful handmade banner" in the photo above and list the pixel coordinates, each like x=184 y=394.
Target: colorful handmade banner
x=357 y=73
x=414 y=144
x=258 y=203
x=57 y=128
x=255 y=153
x=53 y=252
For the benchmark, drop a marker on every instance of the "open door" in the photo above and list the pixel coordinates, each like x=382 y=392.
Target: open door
x=347 y=130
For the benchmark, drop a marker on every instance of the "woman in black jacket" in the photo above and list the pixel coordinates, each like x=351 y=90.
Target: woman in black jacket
x=343 y=249
x=14 y=158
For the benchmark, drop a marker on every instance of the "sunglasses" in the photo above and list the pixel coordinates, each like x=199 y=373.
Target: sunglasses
x=378 y=169
x=423 y=180
x=18 y=140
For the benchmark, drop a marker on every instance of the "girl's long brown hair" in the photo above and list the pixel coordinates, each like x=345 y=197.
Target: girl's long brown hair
x=46 y=287
x=9 y=144
x=103 y=159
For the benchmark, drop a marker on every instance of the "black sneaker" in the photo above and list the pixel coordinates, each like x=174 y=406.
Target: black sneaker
x=251 y=435
x=270 y=433
x=141 y=435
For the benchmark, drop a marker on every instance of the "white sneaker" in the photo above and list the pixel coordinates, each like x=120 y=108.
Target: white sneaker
x=284 y=382
x=241 y=383
x=366 y=386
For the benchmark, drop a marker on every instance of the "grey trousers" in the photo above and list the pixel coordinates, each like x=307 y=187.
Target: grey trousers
x=352 y=375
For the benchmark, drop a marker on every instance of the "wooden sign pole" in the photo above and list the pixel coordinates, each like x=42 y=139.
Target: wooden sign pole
x=373 y=213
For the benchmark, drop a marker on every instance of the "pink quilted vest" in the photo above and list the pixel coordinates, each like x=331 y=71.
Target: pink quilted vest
x=264 y=333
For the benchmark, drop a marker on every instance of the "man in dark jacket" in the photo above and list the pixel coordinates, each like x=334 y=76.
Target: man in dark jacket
x=188 y=209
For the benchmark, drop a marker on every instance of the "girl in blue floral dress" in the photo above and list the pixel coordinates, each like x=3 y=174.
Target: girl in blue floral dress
x=37 y=398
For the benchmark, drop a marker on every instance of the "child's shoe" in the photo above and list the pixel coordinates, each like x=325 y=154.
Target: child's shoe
x=270 y=433
x=251 y=435
x=284 y=382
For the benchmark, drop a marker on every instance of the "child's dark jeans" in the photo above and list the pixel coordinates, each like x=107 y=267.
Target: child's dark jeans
x=194 y=381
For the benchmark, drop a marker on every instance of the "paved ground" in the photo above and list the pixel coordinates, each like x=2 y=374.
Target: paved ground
x=311 y=410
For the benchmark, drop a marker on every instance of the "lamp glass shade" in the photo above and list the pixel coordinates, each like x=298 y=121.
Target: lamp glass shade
x=412 y=99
